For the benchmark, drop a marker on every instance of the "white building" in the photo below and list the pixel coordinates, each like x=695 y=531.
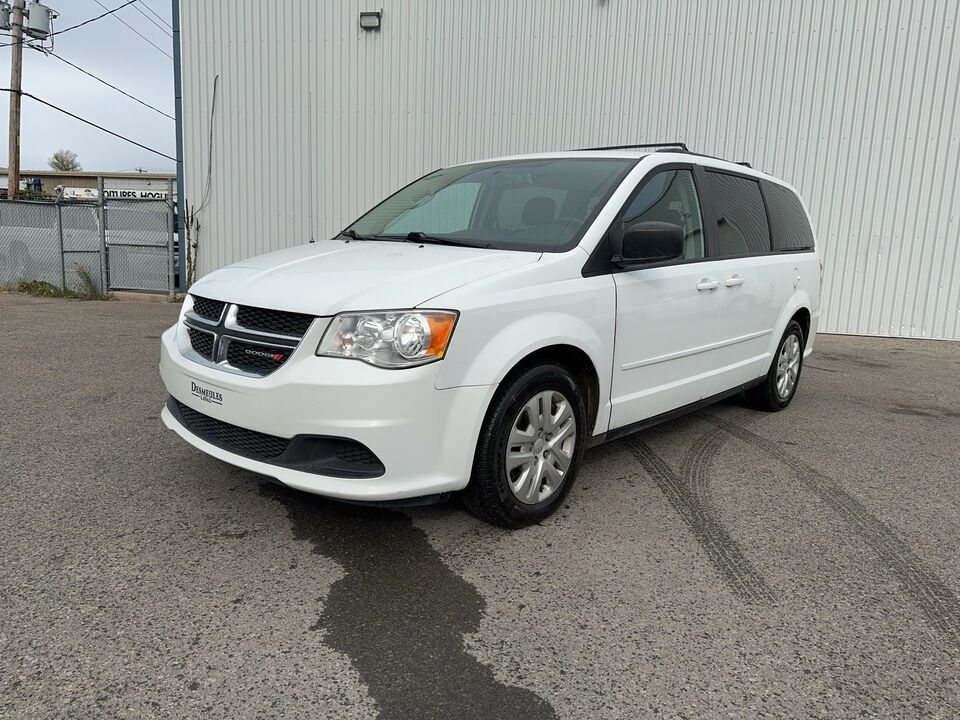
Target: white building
x=855 y=103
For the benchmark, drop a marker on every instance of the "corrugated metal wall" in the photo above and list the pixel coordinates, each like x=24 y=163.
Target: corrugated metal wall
x=855 y=103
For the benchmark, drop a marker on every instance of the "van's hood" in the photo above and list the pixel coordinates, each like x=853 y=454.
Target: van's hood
x=333 y=276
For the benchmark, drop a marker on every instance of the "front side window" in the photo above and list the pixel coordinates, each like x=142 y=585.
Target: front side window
x=670 y=196
x=535 y=205
x=739 y=214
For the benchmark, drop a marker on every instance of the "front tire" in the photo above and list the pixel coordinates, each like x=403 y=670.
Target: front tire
x=530 y=448
x=780 y=385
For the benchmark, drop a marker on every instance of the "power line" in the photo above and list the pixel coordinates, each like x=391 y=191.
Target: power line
x=92 y=124
x=133 y=29
x=86 y=22
x=103 y=15
x=101 y=80
x=153 y=12
x=162 y=28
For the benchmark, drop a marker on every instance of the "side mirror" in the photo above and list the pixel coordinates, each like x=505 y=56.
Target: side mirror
x=649 y=242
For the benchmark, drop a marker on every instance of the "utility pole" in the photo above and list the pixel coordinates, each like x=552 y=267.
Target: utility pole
x=16 y=59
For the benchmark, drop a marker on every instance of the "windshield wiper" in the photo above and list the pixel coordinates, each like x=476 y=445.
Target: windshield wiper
x=415 y=236
x=421 y=237
x=354 y=235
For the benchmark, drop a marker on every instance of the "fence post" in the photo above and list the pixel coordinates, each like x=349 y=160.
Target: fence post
x=63 y=260
x=170 y=293
x=102 y=211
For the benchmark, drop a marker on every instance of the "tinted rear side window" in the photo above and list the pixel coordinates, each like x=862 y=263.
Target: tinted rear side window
x=791 y=229
x=739 y=215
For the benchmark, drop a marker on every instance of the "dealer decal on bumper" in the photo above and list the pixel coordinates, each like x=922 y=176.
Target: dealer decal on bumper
x=205 y=394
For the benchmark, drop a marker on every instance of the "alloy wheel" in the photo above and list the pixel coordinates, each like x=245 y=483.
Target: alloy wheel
x=788 y=366
x=540 y=448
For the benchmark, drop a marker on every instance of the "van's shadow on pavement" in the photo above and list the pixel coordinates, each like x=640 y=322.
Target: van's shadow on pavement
x=400 y=614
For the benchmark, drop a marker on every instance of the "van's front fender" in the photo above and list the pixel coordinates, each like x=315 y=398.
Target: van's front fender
x=490 y=341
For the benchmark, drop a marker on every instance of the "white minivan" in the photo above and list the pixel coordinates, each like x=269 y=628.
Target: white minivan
x=478 y=329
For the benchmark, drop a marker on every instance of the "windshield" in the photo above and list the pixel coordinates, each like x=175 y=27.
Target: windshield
x=535 y=205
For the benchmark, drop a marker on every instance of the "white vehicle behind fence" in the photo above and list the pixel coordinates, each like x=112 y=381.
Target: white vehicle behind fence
x=480 y=328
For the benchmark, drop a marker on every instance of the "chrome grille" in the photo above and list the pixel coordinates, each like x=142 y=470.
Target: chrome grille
x=202 y=342
x=241 y=339
x=208 y=309
x=257 y=359
x=273 y=321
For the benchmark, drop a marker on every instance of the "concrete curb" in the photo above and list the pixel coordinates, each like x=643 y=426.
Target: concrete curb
x=144 y=297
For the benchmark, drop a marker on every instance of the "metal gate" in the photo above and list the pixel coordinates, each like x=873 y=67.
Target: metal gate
x=122 y=244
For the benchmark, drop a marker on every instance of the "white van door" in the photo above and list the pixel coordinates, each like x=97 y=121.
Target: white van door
x=752 y=298
x=755 y=284
x=666 y=314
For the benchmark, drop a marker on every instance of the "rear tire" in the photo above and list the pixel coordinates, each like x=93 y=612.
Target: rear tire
x=780 y=385
x=530 y=448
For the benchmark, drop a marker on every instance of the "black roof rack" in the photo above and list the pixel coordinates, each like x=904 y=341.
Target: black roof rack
x=645 y=146
x=663 y=147
x=712 y=157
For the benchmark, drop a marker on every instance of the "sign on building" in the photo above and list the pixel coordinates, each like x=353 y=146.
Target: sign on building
x=78 y=193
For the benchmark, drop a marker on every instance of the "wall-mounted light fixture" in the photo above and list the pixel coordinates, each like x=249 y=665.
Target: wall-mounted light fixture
x=370 y=20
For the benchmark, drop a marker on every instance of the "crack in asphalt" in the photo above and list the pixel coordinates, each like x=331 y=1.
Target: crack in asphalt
x=936 y=601
x=690 y=498
x=400 y=614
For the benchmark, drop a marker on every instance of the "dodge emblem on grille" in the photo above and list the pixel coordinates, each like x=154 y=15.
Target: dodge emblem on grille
x=277 y=357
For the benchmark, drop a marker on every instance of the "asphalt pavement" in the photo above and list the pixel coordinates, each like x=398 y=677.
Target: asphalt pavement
x=731 y=564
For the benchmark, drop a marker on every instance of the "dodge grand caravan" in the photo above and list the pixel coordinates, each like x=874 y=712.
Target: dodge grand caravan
x=478 y=329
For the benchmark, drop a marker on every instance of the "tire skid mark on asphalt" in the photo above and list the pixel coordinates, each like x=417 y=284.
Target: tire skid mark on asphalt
x=923 y=410
x=696 y=465
x=935 y=599
x=689 y=497
x=400 y=614
x=808 y=366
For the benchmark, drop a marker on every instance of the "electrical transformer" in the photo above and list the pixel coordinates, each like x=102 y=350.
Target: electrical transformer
x=36 y=20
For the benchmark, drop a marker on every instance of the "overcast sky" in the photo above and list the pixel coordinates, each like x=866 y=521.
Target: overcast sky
x=109 y=50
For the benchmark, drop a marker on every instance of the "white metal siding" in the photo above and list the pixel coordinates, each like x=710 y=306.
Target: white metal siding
x=854 y=102
x=158 y=184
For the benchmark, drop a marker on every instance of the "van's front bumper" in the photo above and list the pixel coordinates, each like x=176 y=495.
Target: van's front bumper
x=425 y=438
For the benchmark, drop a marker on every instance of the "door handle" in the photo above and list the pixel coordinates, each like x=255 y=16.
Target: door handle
x=733 y=281
x=708 y=284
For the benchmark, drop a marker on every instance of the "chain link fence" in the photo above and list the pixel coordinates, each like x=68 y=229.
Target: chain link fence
x=122 y=244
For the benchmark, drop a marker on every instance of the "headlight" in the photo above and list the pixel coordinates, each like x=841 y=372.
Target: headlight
x=391 y=339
